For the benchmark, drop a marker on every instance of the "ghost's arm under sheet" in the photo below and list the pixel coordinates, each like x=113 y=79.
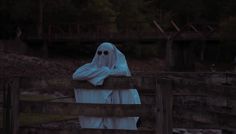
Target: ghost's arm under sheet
x=84 y=72
x=120 y=71
x=94 y=75
x=99 y=75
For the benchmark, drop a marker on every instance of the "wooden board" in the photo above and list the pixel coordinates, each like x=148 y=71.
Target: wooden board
x=108 y=110
x=203 y=119
x=109 y=83
x=40 y=130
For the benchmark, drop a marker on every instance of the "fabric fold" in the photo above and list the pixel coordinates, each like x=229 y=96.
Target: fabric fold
x=108 y=61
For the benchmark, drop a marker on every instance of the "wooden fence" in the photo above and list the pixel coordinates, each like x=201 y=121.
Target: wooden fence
x=192 y=103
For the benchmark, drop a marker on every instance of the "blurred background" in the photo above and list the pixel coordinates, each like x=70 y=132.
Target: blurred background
x=42 y=42
x=182 y=35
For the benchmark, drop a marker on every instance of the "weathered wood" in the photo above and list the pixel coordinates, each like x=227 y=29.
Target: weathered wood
x=109 y=83
x=1 y=98
x=107 y=110
x=160 y=28
x=10 y=111
x=213 y=119
x=40 y=130
x=15 y=104
x=142 y=83
x=159 y=110
x=164 y=102
x=40 y=19
x=119 y=83
x=168 y=102
x=191 y=87
x=175 y=26
x=115 y=83
x=214 y=105
x=169 y=54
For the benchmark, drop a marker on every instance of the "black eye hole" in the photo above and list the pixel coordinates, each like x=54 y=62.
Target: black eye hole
x=105 y=52
x=99 y=52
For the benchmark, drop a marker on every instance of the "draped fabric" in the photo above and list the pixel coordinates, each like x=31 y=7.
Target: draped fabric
x=108 y=61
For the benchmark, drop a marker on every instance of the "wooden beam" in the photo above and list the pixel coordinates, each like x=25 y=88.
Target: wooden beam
x=206 y=108
x=216 y=120
x=164 y=105
x=169 y=54
x=115 y=83
x=210 y=28
x=160 y=28
x=120 y=83
x=10 y=102
x=109 y=83
x=40 y=18
x=175 y=26
x=144 y=83
x=40 y=130
x=193 y=87
x=194 y=28
x=99 y=110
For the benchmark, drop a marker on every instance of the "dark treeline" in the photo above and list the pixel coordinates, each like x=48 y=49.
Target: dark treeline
x=125 y=14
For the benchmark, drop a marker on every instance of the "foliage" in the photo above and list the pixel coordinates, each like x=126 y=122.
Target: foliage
x=97 y=11
x=127 y=15
x=59 y=11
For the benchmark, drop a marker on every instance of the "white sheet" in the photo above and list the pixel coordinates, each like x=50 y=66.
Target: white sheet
x=108 y=61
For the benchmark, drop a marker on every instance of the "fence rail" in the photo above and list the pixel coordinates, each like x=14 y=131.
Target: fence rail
x=40 y=130
x=109 y=110
x=196 y=103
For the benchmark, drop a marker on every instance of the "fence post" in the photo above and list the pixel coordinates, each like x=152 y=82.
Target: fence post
x=10 y=111
x=164 y=106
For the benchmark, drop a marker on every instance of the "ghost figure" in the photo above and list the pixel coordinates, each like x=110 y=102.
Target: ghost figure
x=108 y=61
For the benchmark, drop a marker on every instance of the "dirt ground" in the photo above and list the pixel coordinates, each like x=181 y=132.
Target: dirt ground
x=22 y=65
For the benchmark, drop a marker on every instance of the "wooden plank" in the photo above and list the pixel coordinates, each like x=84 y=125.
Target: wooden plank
x=107 y=110
x=1 y=121
x=40 y=130
x=69 y=91
x=194 y=28
x=208 y=116
x=168 y=102
x=175 y=26
x=10 y=111
x=109 y=83
x=28 y=83
x=189 y=100
x=160 y=28
x=15 y=104
x=1 y=98
x=143 y=83
x=140 y=83
x=164 y=102
x=182 y=74
x=202 y=108
x=190 y=124
x=185 y=122
x=159 y=110
x=66 y=86
x=115 y=83
x=193 y=87
x=146 y=84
